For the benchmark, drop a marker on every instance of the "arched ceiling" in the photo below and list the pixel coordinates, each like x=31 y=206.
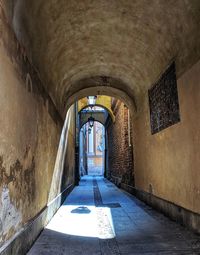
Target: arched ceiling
x=129 y=40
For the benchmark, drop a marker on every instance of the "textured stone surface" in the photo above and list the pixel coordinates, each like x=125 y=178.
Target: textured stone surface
x=120 y=167
x=130 y=41
x=81 y=228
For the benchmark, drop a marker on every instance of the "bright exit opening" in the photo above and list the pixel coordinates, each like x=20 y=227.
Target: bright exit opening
x=92 y=149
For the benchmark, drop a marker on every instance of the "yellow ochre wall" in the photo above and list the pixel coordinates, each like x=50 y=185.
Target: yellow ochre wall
x=170 y=159
x=104 y=101
x=30 y=130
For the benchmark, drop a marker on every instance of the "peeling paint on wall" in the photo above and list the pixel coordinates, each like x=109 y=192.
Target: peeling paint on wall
x=10 y=218
x=22 y=177
x=31 y=127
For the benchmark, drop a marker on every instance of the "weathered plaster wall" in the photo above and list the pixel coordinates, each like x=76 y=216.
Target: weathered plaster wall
x=30 y=129
x=167 y=163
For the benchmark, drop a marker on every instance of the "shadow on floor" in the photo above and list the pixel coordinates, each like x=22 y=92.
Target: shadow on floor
x=79 y=227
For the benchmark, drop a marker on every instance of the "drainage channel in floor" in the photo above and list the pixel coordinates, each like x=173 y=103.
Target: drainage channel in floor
x=107 y=241
x=98 y=199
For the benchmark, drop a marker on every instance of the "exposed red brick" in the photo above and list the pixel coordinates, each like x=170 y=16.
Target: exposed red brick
x=120 y=150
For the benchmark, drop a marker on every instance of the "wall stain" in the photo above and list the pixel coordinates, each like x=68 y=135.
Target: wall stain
x=23 y=179
x=10 y=217
x=29 y=179
x=19 y=174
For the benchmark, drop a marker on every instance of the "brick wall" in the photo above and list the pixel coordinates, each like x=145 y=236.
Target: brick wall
x=120 y=168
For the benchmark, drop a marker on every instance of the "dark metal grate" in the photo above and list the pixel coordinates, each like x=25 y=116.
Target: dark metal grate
x=163 y=101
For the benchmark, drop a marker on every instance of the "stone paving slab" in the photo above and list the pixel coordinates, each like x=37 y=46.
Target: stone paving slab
x=86 y=224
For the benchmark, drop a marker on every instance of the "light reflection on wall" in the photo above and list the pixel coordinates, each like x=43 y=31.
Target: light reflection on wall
x=55 y=188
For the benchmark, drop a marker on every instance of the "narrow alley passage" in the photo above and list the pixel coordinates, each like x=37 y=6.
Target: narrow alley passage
x=99 y=218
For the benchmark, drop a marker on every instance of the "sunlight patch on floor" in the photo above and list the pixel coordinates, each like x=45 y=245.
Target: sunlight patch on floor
x=85 y=221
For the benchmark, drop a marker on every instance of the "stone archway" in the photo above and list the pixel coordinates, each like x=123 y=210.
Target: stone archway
x=101 y=85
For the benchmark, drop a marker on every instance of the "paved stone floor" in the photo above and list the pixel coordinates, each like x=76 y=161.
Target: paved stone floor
x=98 y=218
x=95 y=170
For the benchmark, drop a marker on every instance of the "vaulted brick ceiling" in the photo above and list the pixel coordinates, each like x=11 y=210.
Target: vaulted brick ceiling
x=133 y=41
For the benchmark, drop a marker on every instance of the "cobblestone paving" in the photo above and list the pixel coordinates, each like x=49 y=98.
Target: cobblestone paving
x=88 y=224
